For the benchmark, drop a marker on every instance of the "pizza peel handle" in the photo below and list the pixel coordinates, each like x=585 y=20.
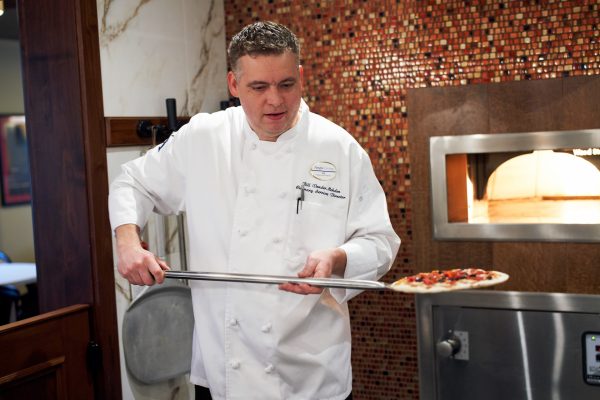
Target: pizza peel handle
x=398 y=286
x=276 y=279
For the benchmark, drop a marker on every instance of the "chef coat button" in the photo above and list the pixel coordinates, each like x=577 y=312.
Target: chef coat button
x=269 y=368
x=276 y=240
x=243 y=232
x=235 y=364
x=282 y=195
x=253 y=146
x=266 y=328
x=233 y=322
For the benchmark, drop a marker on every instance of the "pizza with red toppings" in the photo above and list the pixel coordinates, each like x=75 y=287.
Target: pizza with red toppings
x=448 y=280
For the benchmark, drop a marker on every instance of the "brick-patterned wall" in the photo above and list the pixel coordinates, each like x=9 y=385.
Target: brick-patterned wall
x=361 y=57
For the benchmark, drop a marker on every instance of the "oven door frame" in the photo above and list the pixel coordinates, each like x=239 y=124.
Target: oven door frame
x=440 y=146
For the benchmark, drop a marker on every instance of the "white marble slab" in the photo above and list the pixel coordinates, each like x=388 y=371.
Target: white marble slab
x=151 y=50
x=178 y=388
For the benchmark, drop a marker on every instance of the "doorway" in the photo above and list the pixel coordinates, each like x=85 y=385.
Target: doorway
x=73 y=250
x=18 y=286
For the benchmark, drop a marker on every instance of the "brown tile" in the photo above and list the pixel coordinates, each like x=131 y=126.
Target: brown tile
x=536 y=267
x=525 y=106
x=581 y=261
x=448 y=111
x=581 y=103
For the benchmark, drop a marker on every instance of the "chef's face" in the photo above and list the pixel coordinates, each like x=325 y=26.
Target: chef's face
x=269 y=88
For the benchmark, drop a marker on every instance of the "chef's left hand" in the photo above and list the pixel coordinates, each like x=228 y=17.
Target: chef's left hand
x=319 y=264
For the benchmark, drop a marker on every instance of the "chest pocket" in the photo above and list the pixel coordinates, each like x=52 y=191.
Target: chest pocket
x=316 y=226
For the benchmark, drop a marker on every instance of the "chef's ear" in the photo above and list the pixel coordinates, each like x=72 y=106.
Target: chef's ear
x=232 y=83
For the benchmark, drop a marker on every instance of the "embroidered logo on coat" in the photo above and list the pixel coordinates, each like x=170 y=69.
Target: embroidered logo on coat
x=160 y=146
x=323 y=170
x=320 y=190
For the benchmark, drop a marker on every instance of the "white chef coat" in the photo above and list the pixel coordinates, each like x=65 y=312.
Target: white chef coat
x=240 y=196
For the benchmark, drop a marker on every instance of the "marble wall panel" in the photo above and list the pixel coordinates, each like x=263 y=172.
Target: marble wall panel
x=178 y=388
x=155 y=49
x=151 y=50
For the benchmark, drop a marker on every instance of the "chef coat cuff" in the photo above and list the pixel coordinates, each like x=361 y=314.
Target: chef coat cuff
x=358 y=266
x=123 y=211
x=123 y=218
x=115 y=222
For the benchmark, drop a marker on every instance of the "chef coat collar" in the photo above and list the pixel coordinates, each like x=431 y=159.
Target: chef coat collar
x=285 y=136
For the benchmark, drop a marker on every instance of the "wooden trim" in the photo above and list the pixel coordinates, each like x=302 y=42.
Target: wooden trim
x=67 y=148
x=34 y=370
x=40 y=319
x=122 y=131
x=45 y=356
x=107 y=380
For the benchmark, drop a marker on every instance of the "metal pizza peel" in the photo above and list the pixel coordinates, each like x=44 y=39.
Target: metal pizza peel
x=359 y=284
x=157 y=333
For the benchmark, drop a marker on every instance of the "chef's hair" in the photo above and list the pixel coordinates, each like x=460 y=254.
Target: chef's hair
x=262 y=38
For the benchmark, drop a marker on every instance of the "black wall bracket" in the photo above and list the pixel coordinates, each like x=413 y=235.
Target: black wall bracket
x=160 y=133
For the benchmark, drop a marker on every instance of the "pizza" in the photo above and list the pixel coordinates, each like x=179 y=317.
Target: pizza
x=448 y=280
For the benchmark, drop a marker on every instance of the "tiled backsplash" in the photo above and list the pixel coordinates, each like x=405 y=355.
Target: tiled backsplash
x=361 y=57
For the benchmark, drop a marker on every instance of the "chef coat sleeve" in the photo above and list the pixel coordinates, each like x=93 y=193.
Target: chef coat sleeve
x=153 y=182
x=372 y=244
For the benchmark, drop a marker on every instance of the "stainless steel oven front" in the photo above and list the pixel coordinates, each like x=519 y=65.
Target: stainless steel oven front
x=477 y=345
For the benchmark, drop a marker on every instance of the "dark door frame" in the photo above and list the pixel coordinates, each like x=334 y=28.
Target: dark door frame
x=67 y=149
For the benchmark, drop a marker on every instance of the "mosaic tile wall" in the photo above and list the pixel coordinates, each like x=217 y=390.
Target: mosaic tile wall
x=361 y=57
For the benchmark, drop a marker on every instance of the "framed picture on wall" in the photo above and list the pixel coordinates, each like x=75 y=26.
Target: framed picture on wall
x=14 y=161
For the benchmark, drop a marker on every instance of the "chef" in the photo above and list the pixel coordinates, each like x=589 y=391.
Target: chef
x=268 y=188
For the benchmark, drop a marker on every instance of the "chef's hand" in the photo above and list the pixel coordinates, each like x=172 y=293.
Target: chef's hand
x=135 y=263
x=319 y=264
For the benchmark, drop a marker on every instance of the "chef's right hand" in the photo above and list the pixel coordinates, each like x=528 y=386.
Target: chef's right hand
x=136 y=264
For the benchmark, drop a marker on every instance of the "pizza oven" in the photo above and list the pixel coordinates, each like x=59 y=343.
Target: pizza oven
x=517 y=186
x=508 y=345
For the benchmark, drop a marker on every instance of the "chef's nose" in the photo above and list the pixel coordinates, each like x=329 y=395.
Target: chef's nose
x=274 y=97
